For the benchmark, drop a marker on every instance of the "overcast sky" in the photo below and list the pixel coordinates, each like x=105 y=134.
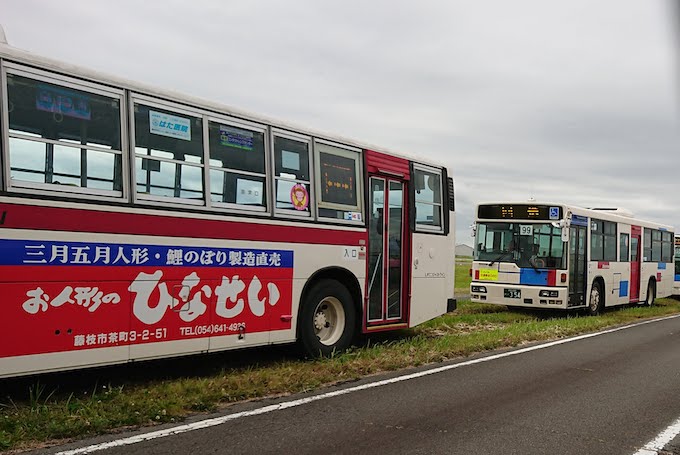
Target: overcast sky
x=564 y=101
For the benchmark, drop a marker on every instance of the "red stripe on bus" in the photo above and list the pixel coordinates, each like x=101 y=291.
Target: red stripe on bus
x=552 y=277
x=82 y=220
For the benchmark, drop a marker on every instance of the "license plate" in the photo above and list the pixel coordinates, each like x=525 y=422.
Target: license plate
x=512 y=293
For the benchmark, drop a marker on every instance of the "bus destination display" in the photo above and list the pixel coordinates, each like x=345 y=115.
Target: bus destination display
x=338 y=179
x=519 y=211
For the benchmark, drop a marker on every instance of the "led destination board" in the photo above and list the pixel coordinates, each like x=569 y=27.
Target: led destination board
x=519 y=212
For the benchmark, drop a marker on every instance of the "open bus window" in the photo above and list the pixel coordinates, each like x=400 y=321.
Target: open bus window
x=66 y=136
x=291 y=168
x=428 y=198
x=237 y=166
x=168 y=153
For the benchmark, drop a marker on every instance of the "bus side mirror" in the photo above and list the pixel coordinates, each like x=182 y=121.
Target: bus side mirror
x=565 y=234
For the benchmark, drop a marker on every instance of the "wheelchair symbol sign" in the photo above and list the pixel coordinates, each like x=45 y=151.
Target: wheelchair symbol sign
x=554 y=213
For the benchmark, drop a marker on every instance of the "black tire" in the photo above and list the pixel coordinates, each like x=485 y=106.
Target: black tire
x=327 y=319
x=596 y=300
x=651 y=293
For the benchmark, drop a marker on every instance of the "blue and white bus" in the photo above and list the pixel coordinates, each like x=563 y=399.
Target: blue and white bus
x=543 y=255
x=676 y=283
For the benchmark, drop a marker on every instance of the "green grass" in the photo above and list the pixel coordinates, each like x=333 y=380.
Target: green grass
x=42 y=414
x=463 y=266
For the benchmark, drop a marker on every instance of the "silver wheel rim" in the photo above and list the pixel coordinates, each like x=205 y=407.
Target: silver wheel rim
x=329 y=321
x=650 y=294
x=594 y=299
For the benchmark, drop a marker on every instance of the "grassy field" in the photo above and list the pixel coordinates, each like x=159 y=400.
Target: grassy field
x=463 y=265
x=75 y=405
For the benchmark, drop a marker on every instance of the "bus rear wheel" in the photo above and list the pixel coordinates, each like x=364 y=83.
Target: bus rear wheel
x=327 y=319
x=596 y=302
x=651 y=293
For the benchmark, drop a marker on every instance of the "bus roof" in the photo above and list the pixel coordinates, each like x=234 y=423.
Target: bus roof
x=28 y=58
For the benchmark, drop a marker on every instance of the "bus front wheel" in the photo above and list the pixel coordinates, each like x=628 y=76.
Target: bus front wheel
x=327 y=319
x=596 y=302
x=651 y=293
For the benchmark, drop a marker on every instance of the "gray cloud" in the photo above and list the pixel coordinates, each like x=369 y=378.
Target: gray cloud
x=562 y=101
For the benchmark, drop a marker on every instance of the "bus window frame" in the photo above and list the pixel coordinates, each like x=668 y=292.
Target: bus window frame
x=50 y=189
x=289 y=213
x=443 y=200
x=246 y=125
x=179 y=109
x=347 y=152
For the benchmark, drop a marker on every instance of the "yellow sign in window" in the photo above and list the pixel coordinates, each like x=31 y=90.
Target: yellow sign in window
x=488 y=274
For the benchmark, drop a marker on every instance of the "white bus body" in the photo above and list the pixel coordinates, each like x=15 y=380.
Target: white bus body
x=540 y=255
x=137 y=223
x=676 y=283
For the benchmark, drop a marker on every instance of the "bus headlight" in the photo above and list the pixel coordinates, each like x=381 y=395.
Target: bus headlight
x=481 y=289
x=546 y=293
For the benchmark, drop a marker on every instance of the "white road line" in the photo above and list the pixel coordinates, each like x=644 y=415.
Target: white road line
x=302 y=401
x=655 y=445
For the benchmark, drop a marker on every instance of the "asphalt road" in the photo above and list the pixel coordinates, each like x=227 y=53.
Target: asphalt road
x=609 y=394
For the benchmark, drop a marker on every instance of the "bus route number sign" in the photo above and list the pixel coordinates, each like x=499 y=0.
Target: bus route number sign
x=526 y=229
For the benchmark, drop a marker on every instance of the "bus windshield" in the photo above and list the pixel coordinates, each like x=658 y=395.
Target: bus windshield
x=537 y=245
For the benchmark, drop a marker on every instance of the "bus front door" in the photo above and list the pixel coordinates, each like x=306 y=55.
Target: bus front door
x=387 y=287
x=577 y=265
x=635 y=240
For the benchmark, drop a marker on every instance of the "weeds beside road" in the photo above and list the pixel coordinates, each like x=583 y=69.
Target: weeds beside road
x=42 y=413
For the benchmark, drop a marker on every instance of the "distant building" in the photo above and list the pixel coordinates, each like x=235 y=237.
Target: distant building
x=463 y=250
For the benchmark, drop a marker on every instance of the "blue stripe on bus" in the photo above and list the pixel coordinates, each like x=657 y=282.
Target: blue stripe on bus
x=662 y=266
x=531 y=276
x=578 y=220
x=623 y=288
x=677 y=277
x=51 y=253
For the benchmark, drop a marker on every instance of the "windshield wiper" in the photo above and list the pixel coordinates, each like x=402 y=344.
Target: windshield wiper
x=498 y=258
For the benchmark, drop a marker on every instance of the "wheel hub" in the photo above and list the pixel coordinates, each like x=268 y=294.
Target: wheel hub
x=320 y=321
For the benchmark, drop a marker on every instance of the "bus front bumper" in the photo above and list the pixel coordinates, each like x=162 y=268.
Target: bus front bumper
x=519 y=295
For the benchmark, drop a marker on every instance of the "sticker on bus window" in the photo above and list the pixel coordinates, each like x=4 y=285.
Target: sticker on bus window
x=236 y=137
x=63 y=101
x=353 y=216
x=290 y=160
x=299 y=197
x=249 y=192
x=169 y=125
x=554 y=213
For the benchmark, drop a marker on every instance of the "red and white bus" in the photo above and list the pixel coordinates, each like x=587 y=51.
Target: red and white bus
x=537 y=255
x=137 y=223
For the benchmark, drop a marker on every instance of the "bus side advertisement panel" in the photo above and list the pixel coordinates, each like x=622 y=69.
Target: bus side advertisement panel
x=70 y=296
